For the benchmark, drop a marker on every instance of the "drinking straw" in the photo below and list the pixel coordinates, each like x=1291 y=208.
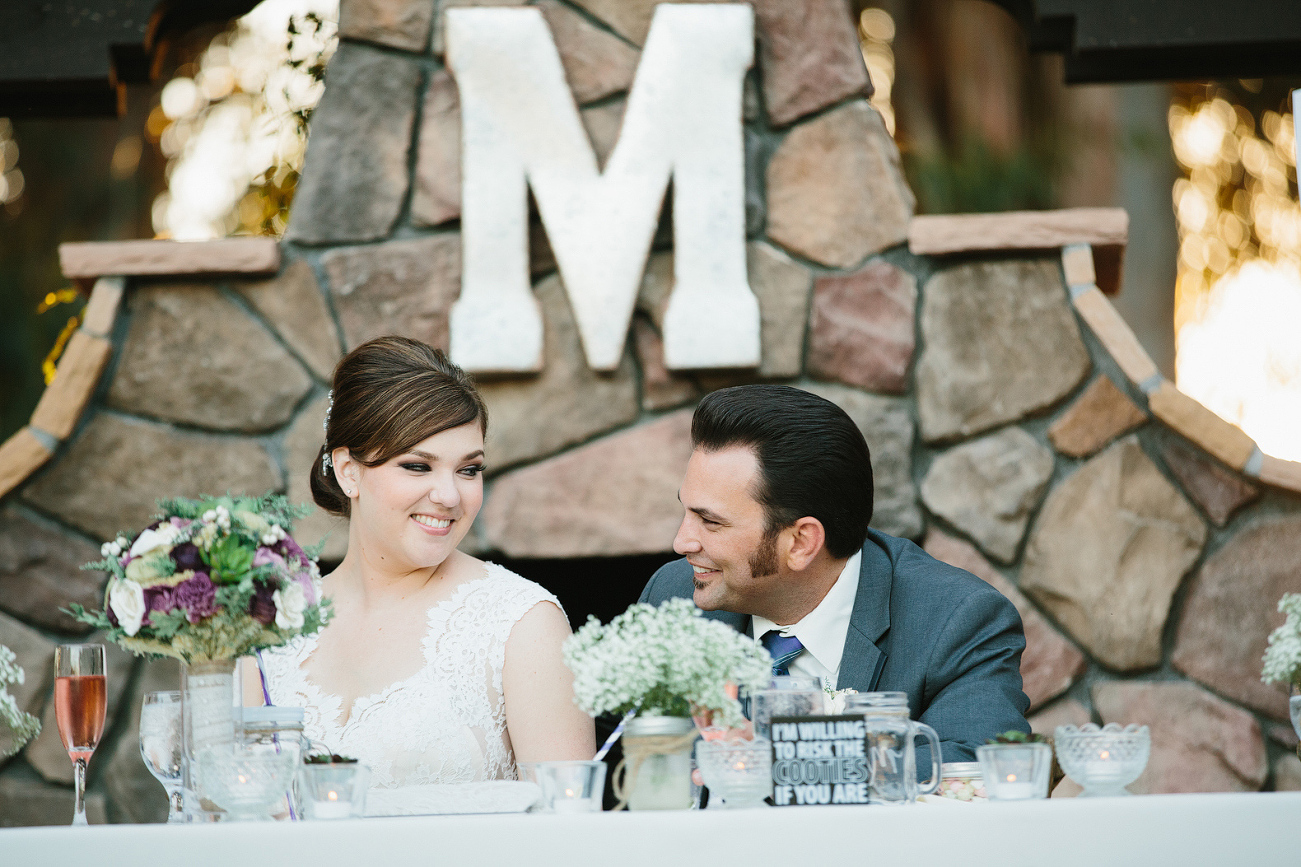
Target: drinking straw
x=616 y=734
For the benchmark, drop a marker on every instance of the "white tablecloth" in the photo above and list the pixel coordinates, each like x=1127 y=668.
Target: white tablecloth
x=1145 y=831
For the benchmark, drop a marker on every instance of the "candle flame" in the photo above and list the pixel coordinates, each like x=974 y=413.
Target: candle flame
x=569 y=793
x=1104 y=754
x=740 y=766
x=333 y=796
x=1011 y=778
x=241 y=778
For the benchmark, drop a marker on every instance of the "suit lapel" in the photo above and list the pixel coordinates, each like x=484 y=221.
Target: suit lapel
x=863 y=659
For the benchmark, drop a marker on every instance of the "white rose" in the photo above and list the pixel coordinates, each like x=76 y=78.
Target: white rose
x=150 y=540
x=290 y=603
x=127 y=599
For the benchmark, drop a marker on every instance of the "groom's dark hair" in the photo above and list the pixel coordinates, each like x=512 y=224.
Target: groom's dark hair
x=813 y=460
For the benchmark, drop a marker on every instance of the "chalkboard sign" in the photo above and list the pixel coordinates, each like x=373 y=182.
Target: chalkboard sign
x=819 y=760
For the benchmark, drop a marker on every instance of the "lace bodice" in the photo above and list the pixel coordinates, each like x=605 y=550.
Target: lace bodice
x=446 y=724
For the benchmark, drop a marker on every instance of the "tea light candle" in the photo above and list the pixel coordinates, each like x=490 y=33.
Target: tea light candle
x=331 y=807
x=1010 y=788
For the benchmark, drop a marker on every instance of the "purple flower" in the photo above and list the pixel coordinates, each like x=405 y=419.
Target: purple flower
x=186 y=556
x=262 y=607
x=265 y=556
x=309 y=589
x=161 y=599
x=289 y=548
x=197 y=596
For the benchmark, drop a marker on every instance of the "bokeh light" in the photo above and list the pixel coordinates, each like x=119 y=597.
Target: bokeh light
x=1238 y=291
x=232 y=123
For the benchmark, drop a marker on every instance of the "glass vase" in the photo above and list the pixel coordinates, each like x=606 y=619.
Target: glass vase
x=656 y=770
x=207 y=729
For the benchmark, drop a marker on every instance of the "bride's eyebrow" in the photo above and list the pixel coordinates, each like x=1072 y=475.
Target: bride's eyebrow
x=426 y=456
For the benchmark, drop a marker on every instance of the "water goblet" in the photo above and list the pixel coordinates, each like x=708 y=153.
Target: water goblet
x=80 y=699
x=161 y=747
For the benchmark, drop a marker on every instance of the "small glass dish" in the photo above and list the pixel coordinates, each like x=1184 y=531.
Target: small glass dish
x=250 y=785
x=962 y=781
x=1015 y=772
x=1103 y=760
x=332 y=790
x=738 y=773
x=567 y=786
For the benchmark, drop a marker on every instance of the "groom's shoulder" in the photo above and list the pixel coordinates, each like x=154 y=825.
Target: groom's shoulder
x=670 y=581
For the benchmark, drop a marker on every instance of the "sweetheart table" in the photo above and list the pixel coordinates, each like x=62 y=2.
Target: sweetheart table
x=1229 y=829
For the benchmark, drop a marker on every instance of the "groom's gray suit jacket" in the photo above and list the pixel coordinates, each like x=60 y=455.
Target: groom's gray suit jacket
x=920 y=626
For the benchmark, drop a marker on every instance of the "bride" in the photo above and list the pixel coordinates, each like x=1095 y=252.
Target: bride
x=437 y=668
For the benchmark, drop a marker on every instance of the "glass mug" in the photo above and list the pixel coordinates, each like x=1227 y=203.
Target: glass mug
x=786 y=695
x=891 y=748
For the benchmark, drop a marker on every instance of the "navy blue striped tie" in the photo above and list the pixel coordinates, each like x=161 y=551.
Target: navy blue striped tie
x=783 y=648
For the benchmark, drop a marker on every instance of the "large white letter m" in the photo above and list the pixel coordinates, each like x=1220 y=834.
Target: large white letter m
x=521 y=126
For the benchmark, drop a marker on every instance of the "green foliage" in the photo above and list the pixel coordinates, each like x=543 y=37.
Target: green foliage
x=1014 y=736
x=976 y=179
x=229 y=560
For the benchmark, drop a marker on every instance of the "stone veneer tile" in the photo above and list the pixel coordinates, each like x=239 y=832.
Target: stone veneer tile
x=945 y=234
x=1097 y=417
x=596 y=62
x=295 y=307
x=1273 y=471
x=1287 y=773
x=862 y=328
x=1067 y=712
x=1218 y=491
x=101 y=309
x=538 y=414
x=1050 y=663
x=1116 y=336
x=1231 y=608
x=66 y=396
x=20 y=456
x=1107 y=552
x=836 y=192
x=1185 y=415
x=1200 y=743
x=613 y=497
x=300 y=450
x=988 y=487
x=134 y=796
x=41 y=574
x=661 y=388
x=810 y=56
x=28 y=802
x=999 y=343
x=887 y=425
x=782 y=287
x=402 y=287
x=631 y=19
x=1077 y=265
x=355 y=174
x=86 y=259
x=113 y=474
x=194 y=356
x=403 y=24
x=437 y=195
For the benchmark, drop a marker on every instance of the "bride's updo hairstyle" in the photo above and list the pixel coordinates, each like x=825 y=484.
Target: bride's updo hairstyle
x=390 y=394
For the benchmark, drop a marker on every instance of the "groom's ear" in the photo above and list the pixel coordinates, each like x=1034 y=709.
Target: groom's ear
x=807 y=537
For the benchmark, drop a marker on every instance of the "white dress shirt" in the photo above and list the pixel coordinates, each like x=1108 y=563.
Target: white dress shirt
x=823 y=630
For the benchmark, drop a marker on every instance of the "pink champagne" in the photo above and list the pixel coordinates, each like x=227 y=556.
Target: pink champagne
x=79 y=704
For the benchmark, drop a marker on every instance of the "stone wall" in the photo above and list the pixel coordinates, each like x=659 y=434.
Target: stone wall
x=1017 y=428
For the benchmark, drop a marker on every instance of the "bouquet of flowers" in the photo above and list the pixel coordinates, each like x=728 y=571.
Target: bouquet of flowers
x=23 y=725
x=668 y=660
x=212 y=579
x=1282 y=660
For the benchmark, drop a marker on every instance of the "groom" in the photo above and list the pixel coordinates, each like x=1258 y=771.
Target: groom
x=778 y=496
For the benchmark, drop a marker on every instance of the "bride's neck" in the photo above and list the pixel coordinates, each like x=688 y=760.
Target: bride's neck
x=375 y=583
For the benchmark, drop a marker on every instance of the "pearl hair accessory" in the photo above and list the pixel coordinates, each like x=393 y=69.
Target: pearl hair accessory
x=325 y=425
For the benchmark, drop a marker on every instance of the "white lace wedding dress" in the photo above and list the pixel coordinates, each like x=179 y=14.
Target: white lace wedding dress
x=435 y=742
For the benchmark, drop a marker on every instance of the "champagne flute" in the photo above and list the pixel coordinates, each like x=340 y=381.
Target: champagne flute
x=161 y=748
x=80 y=699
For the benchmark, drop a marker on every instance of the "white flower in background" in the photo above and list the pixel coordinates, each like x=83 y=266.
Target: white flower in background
x=835 y=698
x=110 y=549
x=23 y=725
x=127 y=599
x=290 y=602
x=1282 y=660
x=160 y=538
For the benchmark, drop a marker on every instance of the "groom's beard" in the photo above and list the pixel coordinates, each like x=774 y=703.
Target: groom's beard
x=763 y=562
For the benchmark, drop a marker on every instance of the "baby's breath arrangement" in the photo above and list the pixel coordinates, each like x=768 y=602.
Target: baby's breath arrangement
x=212 y=579
x=23 y=725
x=668 y=660
x=1282 y=661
